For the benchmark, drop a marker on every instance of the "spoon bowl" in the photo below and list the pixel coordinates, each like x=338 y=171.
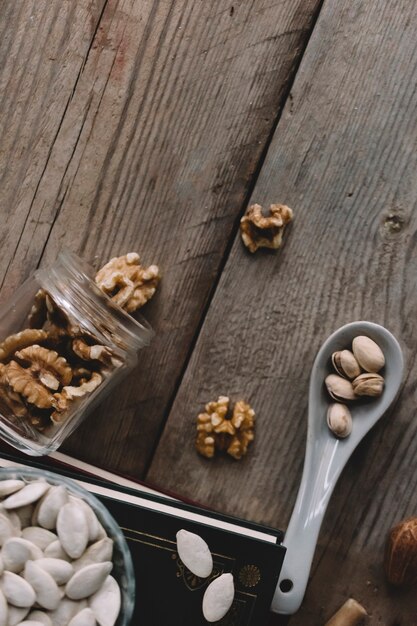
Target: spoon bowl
x=326 y=456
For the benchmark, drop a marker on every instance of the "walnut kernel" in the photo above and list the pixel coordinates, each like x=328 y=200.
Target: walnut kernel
x=216 y=431
x=127 y=283
x=259 y=231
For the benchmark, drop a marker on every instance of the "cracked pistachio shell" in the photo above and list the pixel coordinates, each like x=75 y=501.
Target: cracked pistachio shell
x=194 y=553
x=72 y=529
x=106 y=602
x=368 y=354
x=339 y=388
x=368 y=385
x=345 y=364
x=339 y=420
x=218 y=598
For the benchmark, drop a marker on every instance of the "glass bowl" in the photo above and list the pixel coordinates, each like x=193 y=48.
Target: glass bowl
x=123 y=570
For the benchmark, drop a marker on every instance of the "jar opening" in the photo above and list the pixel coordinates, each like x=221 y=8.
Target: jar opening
x=70 y=282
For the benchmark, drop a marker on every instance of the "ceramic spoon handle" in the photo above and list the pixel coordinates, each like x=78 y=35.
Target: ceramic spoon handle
x=301 y=537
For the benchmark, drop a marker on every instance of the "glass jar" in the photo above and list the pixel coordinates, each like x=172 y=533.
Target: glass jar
x=64 y=345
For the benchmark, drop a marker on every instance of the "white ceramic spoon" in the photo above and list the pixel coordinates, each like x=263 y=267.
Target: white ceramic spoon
x=326 y=456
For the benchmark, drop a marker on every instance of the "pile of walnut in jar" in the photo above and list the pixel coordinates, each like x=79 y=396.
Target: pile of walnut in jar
x=47 y=366
x=357 y=377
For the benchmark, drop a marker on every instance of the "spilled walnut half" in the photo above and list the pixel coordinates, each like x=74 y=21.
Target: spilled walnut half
x=217 y=430
x=260 y=231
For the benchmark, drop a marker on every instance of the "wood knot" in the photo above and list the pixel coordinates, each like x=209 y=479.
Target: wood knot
x=394 y=222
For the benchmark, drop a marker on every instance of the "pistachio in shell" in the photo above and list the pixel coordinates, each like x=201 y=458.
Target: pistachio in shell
x=368 y=384
x=368 y=354
x=339 y=420
x=340 y=389
x=345 y=364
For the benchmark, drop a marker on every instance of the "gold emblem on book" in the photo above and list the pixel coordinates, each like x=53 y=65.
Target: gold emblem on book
x=191 y=581
x=249 y=575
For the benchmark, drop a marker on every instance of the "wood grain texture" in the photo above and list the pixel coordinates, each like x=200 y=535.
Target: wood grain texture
x=42 y=51
x=154 y=152
x=344 y=157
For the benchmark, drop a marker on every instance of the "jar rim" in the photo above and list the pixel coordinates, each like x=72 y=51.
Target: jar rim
x=139 y=331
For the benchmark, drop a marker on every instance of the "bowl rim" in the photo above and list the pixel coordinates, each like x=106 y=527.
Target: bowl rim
x=105 y=517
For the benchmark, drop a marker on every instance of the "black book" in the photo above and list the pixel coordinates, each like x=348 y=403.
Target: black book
x=167 y=593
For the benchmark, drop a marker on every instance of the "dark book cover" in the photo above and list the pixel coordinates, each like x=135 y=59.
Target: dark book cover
x=167 y=593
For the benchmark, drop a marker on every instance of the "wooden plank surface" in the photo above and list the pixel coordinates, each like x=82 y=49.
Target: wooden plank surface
x=154 y=151
x=43 y=47
x=344 y=157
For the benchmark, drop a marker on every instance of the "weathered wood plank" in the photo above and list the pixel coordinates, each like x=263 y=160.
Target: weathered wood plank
x=344 y=157
x=155 y=152
x=43 y=47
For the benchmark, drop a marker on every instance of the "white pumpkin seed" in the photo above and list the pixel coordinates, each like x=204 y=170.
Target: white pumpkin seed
x=10 y=486
x=60 y=570
x=72 y=529
x=85 y=617
x=218 y=598
x=101 y=533
x=194 y=553
x=25 y=515
x=3 y=610
x=66 y=611
x=50 y=505
x=41 y=617
x=17 y=590
x=28 y=494
x=46 y=589
x=39 y=536
x=98 y=552
x=30 y=622
x=14 y=520
x=92 y=521
x=105 y=603
x=16 y=615
x=1 y=566
x=15 y=553
x=87 y=580
x=6 y=529
x=56 y=551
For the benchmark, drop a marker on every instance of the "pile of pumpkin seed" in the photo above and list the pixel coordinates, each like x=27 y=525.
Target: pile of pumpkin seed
x=357 y=377
x=55 y=559
x=196 y=556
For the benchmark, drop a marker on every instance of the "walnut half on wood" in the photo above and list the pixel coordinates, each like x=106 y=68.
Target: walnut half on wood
x=127 y=282
x=217 y=431
x=260 y=231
